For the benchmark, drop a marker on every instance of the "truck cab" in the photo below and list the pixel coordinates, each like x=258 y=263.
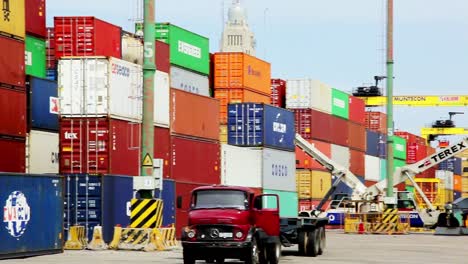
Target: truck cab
x=226 y=222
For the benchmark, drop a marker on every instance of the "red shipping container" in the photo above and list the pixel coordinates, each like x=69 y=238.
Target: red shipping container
x=86 y=36
x=99 y=146
x=304 y=161
x=278 y=92
x=411 y=138
x=308 y=205
x=162 y=57
x=50 y=49
x=183 y=193
x=162 y=148
x=36 y=18
x=12 y=113
x=376 y=121
x=415 y=153
x=357 y=110
x=369 y=183
x=12 y=63
x=12 y=155
x=312 y=124
x=401 y=187
x=429 y=173
x=357 y=136
x=357 y=162
x=194 y=115
x=195 y=161
x=339 y=131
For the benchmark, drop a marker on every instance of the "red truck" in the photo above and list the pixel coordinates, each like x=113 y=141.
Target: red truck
x=227 y=222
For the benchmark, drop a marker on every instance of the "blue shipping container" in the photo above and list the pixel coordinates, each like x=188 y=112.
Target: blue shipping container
x=458 y=170
x=168 y=196
x=448 y=165
x=51 y=74
x=256 y=125
x=456 y=195
x=32 y=215
x=117 y=192
x=43 y=104
x=376 y=144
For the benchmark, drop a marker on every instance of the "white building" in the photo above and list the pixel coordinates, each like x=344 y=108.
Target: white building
x=237 y=36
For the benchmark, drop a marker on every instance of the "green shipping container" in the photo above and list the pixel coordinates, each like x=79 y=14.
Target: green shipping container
x=398 y=163
x=399 y=148
x=35 y=57
x=383 y=169
x=288 y=202
x=187 y=49
x=340 y=103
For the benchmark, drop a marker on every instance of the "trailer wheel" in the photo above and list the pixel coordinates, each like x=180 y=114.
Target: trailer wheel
x=322 y=240
x=302 y=243
x=188 y=257
x=273 y=253
x=313 y=244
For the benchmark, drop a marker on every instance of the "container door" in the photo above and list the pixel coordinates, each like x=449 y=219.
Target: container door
x=266 y=213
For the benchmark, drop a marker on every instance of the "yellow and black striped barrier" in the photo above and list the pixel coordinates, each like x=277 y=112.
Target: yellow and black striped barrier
x=76 y=238
x=389 y=222
x=146 y=213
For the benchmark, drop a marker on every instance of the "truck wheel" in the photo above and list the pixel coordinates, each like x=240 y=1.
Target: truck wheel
x=219 y=260
x=273 y=253
x=256 y=254
x=188 y=257
x=322 y=240
x=302 y=243
x=313 y=246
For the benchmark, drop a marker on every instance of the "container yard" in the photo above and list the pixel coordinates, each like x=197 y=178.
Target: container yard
x=155 y=140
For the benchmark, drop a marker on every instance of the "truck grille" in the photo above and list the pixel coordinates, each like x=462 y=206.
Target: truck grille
x=215 y=233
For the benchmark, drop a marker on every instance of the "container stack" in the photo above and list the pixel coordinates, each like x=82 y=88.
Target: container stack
x=51 y=61
x=278 y=93
x=464 y=175
x=13 y=125
x=239 y=78
x=260 y=152
x=417 y=149
x=453 y=170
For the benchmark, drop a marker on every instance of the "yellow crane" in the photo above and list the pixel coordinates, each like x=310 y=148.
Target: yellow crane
x=418 y=100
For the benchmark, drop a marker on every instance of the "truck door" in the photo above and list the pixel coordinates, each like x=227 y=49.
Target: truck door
x=266 y=213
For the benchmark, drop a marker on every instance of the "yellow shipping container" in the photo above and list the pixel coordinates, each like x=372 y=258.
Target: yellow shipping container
x=448 y=196
x=465 y=167
x=223 y=134
x=12 y=21
x=312 y=184
x=464 y=184
x=465 y=194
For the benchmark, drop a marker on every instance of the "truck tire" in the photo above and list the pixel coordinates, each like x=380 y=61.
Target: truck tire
x=313 y=244
x=302 y=243
x=254 y=253
x=273 y=253
x=188 y=257
x=322 y=240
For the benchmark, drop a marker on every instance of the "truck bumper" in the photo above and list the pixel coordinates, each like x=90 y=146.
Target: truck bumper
x=226 y=250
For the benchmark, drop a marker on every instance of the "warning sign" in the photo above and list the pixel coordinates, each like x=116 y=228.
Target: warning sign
x=53 y=105
x=148 y=161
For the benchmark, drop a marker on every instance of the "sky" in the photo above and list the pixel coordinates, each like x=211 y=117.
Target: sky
x=339 y=42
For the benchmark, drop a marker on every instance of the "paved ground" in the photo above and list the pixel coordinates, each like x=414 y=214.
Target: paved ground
x=358 y=249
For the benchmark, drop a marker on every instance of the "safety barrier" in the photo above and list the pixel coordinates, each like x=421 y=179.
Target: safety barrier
x=146 y=213
x=145 y=239
x=97 y=243
x=388 y=222
x=76 y=238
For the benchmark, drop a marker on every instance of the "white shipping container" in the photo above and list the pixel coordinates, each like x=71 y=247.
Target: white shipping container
x=161 y=99
x=307 y=93
x=258 y=167
x=241 y=166
x=42 y=152
x=132 y=49
x=98 y=86
x=189 y=81
x=447 y=177
x=372 y=168
x=341 y=155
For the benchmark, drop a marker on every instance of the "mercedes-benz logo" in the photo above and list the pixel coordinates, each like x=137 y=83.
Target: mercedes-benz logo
x=214 y=233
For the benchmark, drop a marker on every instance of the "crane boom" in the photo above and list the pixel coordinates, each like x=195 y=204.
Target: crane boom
x=409 y=171
x=337 y=170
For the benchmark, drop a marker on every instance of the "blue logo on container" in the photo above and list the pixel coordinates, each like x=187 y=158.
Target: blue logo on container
x=279 y=170
x=16 y=214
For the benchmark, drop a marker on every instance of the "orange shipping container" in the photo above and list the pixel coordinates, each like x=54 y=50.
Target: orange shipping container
x=304 y=161
x=226 y=96
x=194 y=115
x=240 y=70
x=457 y=183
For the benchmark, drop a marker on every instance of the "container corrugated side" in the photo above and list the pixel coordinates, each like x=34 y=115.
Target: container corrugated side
x=278 y=93
x=307 y=93
x=312 y=184
x=132 y=48
x=356 y=136
x=35 y=57
x=12 y=73
x=357 y=164
x=189 y=81
x=304 y=161
x=43 y=104
x=36 y=17
x=241 y=166
x=13 y=19
x=372 y=171
x=227 y=96
x=33 y=215
x=313 y=124
x=399 y=147
x=447 y=177
x=161 y=99
x=42 y=152
x=340 y=103
x=288 y=202
x=357 y=110
x=279 y=170
x=340 y=155
x=100 y=87
x=339 y=131
x=12 y=156
x=13 y=113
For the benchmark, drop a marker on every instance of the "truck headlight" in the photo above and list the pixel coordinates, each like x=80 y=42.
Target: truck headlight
x=191 y=234
x=239 y=234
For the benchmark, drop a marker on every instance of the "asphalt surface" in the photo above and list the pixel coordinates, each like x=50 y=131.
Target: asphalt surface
x=341 y=248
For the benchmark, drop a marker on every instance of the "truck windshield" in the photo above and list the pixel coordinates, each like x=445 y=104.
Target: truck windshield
x=220 y=199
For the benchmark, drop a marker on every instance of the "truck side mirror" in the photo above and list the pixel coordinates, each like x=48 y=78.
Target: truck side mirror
x=179 y=202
